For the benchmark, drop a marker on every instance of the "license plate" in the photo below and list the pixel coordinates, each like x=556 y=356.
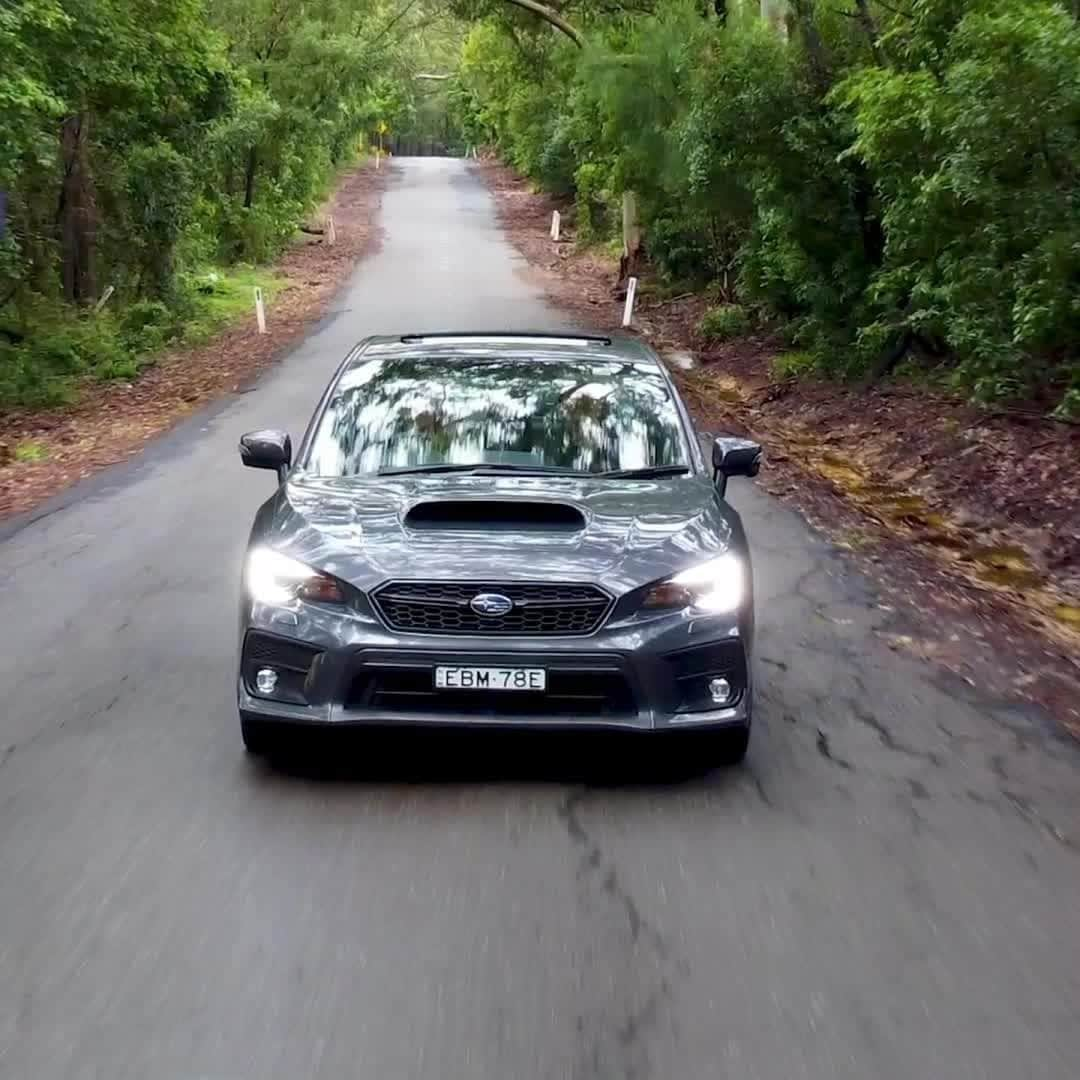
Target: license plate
x=490 y=678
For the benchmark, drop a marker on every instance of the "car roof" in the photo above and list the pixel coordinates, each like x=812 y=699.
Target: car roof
x=568 y=346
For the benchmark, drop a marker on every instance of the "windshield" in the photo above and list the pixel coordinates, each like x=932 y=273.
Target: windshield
x=591 y=416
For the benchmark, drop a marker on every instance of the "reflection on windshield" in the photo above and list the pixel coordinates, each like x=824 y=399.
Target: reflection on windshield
x=593 y=416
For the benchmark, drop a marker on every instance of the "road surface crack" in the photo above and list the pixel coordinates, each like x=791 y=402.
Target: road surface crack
x=887 y=738
x=634 y=966
x=825 y=750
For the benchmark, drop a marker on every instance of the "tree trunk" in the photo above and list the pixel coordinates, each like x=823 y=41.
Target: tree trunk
x=774 y=13
x=76 y=216
x=631 y=229
x=869 y=26
x=873 y=234
x=801 y=17
x=249 y=177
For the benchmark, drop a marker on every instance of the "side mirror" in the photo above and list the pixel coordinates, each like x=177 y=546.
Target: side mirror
x=734 y=457
x=267 y=450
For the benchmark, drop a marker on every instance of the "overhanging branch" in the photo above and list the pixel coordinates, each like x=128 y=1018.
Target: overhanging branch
x=550 y=15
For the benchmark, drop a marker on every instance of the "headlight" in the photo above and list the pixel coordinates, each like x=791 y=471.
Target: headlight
x=716 y=587
x=273 y=578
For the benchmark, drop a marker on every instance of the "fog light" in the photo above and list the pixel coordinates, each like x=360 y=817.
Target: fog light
x=266 y=680
x=719 y=690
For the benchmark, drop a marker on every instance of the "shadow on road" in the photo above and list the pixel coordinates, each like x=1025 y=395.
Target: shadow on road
x=596 y=759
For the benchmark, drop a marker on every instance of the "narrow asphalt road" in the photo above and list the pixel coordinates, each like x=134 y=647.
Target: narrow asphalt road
x=889 y=890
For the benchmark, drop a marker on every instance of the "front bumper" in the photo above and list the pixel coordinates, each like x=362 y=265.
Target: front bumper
x=642 y=675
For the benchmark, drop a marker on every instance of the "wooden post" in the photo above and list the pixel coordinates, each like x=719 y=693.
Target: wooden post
x=556 y=225
x=260 y=311
x=631 y=229
x=104 y=298
x=331 y=232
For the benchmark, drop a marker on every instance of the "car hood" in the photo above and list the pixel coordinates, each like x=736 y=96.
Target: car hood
x=632 y=533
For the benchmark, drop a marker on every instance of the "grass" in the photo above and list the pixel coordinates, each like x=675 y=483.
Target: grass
x=222 y=297
x=795 y=363
x=724 y=323
x=29 y=451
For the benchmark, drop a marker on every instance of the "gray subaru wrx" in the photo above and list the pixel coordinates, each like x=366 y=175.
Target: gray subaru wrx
x=503 y=530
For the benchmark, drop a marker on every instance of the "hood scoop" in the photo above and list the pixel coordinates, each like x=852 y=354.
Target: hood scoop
x=447 y=515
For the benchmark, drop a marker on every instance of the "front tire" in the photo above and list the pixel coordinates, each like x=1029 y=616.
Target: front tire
x=726 y=748
x=737 y=743
x=258 y=736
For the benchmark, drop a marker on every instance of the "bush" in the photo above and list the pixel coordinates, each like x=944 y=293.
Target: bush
x=680 y=248
x=724 y=323
x=41 y=371
x=793 y=364
x=975 y=154
x=149 y=325
x=593 y=216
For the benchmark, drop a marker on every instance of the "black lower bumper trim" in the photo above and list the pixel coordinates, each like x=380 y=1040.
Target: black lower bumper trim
x=403 y=686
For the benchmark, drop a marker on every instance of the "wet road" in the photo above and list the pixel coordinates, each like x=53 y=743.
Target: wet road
x=889 y=889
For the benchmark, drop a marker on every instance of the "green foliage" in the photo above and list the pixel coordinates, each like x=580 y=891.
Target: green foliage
x=724 y=323
x=42 y=369
x=141 y=141
x=592 y=202
x=977 y=160
x=1069 y=406
x=160 y=190
x=907 y=180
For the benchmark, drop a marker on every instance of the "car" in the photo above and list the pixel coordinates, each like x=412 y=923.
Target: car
x=512 y=530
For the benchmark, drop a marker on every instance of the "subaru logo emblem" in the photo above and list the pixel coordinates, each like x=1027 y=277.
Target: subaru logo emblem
x=493 y=604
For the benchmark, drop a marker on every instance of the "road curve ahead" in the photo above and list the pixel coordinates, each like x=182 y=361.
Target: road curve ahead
x=889 y=890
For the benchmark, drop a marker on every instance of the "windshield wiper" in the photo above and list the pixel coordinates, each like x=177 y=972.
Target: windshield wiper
x=650 y=472
x=482 y=467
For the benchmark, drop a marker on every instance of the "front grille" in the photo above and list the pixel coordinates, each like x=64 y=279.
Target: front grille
x=442 y=607
x=569 y=693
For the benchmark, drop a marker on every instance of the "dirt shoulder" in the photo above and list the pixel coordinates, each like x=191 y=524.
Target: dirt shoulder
x=113 y=421
x=968 y=520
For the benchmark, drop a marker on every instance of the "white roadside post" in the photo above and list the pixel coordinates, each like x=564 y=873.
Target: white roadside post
x=104 y=298
x=631 y=294
x=331 y=232
x=556 y=225
x=260 y=311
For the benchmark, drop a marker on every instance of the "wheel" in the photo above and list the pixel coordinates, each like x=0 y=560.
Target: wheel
x=734 y=746
x=728 y=748
x=258 y=736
